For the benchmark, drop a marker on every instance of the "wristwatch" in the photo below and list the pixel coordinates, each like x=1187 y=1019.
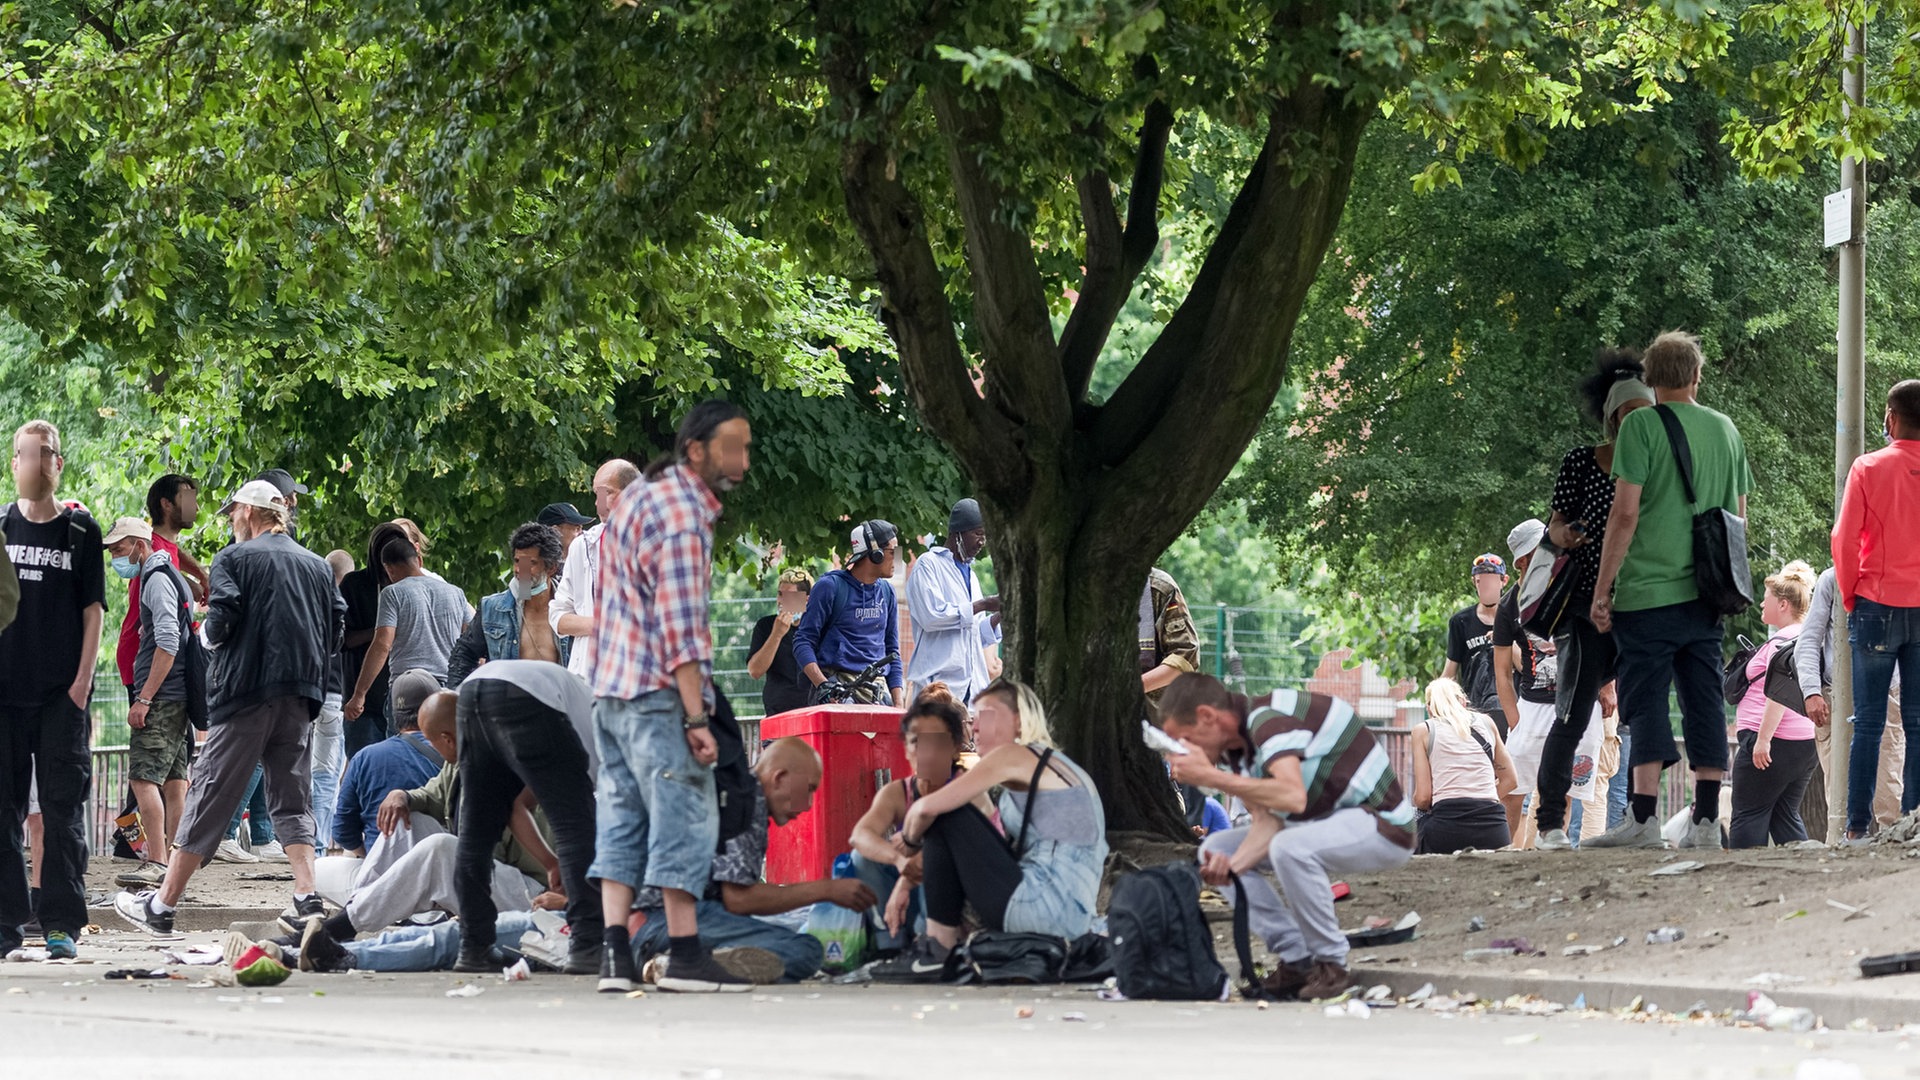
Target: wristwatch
x=694 y=723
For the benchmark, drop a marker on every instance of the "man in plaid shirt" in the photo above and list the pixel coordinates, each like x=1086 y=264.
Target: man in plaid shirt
x=652 y=680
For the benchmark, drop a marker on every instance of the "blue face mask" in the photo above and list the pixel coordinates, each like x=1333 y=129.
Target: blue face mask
x=126 y=567
x=521 y=590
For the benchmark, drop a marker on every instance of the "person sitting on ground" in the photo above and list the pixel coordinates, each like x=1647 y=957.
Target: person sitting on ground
x=788 y=773
x=1048 y=881
x=411 y=868
x=405 y=760
x=1293 y=758
x=934 y=729
x=1776 y=755
x=512 y=624
x=1460 y=766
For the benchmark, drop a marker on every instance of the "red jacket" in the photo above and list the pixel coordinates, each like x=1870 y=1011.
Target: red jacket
x=1876 y=542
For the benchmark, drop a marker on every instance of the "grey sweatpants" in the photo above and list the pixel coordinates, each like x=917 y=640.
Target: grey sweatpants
x=411 y=871
x=272 y=734
x=1297 y=921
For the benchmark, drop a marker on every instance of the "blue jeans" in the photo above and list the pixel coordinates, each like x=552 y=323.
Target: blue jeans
x=254 y=805
x=1883 y=638
x=1622 y=783
x=881 y=878
x=722 y=929
x=657 y=819
x=429 y=948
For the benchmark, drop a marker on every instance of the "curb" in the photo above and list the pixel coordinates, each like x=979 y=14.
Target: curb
x=194 y=919
x=1836 y=1008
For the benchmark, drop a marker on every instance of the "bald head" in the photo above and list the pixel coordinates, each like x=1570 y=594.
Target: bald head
x=789 y=772
x=609 y=481
x=439 y=722
x=341 y=562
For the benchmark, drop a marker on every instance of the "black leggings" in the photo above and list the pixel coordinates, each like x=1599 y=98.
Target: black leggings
x=1587 y=660
x=1766 y=802
x=966 y=861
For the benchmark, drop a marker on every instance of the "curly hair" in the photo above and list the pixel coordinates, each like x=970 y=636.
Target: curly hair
x=544 y=539
x=1611 y=365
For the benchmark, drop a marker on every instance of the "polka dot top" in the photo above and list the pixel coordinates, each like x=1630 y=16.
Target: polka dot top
x=1584 y=492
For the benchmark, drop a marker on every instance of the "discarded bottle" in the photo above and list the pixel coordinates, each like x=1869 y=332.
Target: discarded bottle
x=1666 y=935
x=1785 y=1019
x=1476 y=924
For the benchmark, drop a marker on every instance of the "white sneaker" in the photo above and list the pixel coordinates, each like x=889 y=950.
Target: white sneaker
x=271 y=851
x=1702 y=834
x=1553 y=840
x=1630 y=834
x=231 y=851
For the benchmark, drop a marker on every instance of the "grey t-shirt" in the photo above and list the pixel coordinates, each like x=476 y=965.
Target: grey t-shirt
x=427 y=615
x=556 y=688
x=160 y=627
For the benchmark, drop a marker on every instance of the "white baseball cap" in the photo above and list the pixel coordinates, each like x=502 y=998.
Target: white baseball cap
x=254 y=493
x=1526 y=536
x=125 y=528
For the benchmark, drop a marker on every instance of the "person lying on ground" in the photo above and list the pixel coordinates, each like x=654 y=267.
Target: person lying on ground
x=1047 y=882
x=933 y=728
x=788 y=773
x=1324 y=799
x=1460 y=767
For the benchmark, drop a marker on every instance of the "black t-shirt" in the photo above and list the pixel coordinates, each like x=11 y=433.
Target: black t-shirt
x=1470 y=644
x=1535 y=678
x=361 y=589
x=61 y=571
x=786 y=688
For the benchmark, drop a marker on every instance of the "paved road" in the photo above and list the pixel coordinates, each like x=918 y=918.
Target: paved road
x=58 y=1021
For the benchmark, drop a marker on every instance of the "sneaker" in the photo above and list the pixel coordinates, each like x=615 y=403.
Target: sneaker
x=704 y=976
x=238 y=943
x=1285 y=983
x=583 y=958
x=319 y=952
x=1702 y=834
x=137 y=909
x=758 y=966
x=314 y=905
x=1630 y=834
x=148 y=875
x=60 y=945
x=924 y=962
x=1329 y=980
x=616 y=968
x=231 y=851
x=1553 y=840
x=271 y=851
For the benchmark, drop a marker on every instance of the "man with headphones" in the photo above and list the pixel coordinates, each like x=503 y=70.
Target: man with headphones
x=853 y=619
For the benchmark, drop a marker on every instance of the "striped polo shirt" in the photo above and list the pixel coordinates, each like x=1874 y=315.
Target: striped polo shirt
x=1340 y=763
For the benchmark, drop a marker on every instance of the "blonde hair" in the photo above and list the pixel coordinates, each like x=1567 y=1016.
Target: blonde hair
x=1794 y=585
x=418 y=538
x=1673 y=361
x=40 y=427
x=797 y=578
x=1026 y=705
x=1448 y=703
x=270 y=518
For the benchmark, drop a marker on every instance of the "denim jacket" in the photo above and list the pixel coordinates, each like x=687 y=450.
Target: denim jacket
x=493 y=635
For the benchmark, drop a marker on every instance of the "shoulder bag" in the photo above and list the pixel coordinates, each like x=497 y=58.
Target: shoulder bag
x=1719 y=536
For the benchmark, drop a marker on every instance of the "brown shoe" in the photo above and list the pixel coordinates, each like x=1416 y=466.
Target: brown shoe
x=1329 y=980
x=1285 y=982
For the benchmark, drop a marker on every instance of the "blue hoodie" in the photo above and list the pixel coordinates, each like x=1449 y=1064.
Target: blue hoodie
x=849 y=626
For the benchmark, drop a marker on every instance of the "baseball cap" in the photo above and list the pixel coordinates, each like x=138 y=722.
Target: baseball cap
x=1490 y=564
x=127 y=528
x=284 y=481
x=561 y=514
x=883 y=534
x=1526 y=536
x=410 y=691
x=254 y=493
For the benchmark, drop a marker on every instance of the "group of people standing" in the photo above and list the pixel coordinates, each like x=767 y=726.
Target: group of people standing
x=1536 y=717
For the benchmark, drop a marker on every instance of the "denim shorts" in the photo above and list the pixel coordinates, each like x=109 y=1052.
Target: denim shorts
x=656 y=815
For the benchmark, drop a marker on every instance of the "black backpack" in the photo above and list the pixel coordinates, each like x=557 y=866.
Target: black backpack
x=733 y=781
x=1733 y=677
x=193 y=657
x=1162 y=946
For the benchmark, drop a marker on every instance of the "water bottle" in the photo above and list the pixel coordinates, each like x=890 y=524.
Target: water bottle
x=1666 y=935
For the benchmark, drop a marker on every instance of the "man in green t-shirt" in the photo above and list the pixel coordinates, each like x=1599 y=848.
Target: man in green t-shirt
x=1646 y=593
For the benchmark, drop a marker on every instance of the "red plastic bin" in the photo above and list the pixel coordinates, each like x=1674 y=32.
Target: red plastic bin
x=860 y=752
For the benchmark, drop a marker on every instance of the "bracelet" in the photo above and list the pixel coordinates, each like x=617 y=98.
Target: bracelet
x=911 y=845
x=148 y=702
x=694 y=723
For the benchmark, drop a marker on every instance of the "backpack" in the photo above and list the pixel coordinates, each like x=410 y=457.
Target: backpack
x=1783 y=678
x=1162 y=946
x=1733 y=679
x=193 y=656
x=734 y=784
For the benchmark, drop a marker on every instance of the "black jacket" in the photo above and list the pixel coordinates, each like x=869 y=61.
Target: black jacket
x=275 y=620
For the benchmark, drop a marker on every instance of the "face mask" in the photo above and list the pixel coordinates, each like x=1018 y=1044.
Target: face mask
x=125 y=567
x=522 y=591
x=1886 y=433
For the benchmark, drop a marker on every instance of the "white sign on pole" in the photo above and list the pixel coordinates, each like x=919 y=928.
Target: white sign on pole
x=1839 y=206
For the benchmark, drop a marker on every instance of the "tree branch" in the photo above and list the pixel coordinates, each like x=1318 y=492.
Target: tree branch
x=1114 y=258
x=89 y=17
